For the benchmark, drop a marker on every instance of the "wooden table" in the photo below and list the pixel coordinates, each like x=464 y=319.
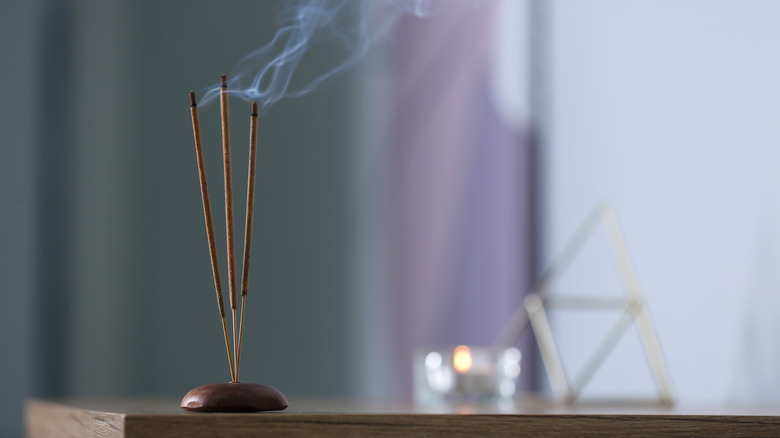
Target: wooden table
x=164 y=419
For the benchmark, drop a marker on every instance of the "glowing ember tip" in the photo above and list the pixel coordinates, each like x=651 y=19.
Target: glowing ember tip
x=223 y=81
x=192 y=99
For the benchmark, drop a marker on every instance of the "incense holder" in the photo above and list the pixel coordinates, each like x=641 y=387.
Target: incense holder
x=234 y=397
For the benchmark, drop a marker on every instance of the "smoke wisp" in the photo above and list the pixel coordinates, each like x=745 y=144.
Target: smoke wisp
x=267 y=74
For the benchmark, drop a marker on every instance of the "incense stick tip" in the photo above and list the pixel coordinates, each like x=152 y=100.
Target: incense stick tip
x=254 y=109
x=223 y=81
x=192 y=99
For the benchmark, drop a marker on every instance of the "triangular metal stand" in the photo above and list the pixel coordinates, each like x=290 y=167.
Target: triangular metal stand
x=631 y=307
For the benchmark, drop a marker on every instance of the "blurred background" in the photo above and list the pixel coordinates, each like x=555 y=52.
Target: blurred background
x=412 y=202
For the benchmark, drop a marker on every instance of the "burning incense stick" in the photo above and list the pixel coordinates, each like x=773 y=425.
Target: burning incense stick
x=250 y=204
x=229 y=228
x=204 y=193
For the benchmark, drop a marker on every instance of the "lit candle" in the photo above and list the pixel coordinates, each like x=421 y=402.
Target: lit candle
x=473 y=379
x=467 y=374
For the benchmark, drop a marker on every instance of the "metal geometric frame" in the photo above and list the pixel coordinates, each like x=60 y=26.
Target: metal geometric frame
x=631 y=306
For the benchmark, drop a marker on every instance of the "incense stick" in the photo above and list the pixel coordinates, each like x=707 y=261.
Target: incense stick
x=229 y=228
x=250 y=204
x=204 y=193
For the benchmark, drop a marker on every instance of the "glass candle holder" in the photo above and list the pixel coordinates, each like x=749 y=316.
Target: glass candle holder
x=465 y=374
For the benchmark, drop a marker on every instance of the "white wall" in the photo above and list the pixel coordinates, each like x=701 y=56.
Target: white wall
x=669 y=110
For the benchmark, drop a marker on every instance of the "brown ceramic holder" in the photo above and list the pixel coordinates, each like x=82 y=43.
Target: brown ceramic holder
x=234 y=397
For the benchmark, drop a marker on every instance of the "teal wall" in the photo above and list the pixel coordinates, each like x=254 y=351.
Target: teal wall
x=20 y=29
x=137 y=221
x=107 y=288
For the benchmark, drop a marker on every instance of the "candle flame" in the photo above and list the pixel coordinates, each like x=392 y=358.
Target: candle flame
x=461 y=360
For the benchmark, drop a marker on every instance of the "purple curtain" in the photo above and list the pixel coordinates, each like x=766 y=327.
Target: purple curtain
x=459 y=190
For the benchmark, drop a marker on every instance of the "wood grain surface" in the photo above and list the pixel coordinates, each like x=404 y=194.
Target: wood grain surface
x=156 y=418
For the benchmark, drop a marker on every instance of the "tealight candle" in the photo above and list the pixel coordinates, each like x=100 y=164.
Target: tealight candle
x=463 y=373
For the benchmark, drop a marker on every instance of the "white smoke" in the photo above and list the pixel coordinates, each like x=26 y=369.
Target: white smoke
x=266 y=74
